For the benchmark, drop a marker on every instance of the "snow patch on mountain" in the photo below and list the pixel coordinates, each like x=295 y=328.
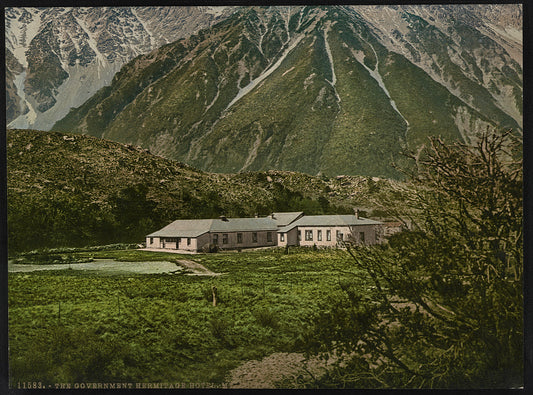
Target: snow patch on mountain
x=92 y=42
x=20 y=34
x=29 y=117
x=288 y=71
x=509 y=38
x=243 y=91
x=359 y=56
x=392 y=27
x=75 y=91
x=215 y=10
x=114 y=34
x=309 y=80
x=511 y=33
x=330 y=57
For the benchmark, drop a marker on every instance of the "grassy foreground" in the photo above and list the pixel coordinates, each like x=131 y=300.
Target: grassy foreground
x=73 y=327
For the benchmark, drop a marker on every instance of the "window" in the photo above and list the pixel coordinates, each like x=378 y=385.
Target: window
x=299 y=235
x=339 y=235
x=215 y=239
x=151 y=240
x=362 y=237
x=319 y=235
x=254 y=237
x=282 y=237
x=269 y=237
x=172 y=240
x=225 y=238
x=308 y=235
x=239 y=238
x=328 y=235
x=188 y=241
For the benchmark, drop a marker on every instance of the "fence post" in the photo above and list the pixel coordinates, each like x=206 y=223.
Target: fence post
x=214 y=291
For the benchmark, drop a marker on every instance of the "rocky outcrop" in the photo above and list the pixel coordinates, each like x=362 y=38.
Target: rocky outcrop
x=67 y=54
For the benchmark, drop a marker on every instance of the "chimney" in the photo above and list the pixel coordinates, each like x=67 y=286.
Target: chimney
x=256 y=215
x=272 y=216
x=356 y=213
x=223 y=218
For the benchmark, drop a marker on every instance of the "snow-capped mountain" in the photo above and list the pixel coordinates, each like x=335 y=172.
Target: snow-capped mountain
x=330 y=90
x=56 y=58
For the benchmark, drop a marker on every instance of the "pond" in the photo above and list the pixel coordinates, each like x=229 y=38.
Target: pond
x=102 y=265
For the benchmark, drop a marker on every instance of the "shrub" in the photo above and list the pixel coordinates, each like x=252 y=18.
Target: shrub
x=210 y=248
x=218 y=327
x=266 y=317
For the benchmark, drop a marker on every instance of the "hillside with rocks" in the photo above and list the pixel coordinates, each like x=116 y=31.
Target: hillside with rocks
x=73 y=190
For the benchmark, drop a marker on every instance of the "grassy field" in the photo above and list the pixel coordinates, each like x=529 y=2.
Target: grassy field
x=70 y=326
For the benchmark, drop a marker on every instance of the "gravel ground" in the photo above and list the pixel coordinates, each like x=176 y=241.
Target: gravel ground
x=272 y=369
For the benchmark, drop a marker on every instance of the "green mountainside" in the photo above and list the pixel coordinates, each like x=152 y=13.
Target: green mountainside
x=308 y=89
x=73 y=190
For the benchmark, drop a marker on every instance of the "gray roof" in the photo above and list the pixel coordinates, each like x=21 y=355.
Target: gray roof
x=184 y=228
x=243 y=224
x=329 y=220
x=284 y=219
x=197 y=227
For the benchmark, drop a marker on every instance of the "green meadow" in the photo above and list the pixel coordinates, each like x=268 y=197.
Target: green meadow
x=70 y=326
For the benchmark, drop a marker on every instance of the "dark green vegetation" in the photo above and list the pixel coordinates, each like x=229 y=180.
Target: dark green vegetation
x=68 y=327
x=71 y=190
x=446 y=306
x=311 y=113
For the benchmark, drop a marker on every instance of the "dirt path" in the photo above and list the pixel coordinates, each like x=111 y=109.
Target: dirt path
x=196 y=268
x=275 y=367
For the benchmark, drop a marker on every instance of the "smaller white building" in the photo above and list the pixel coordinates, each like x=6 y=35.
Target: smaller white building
x=330 y=231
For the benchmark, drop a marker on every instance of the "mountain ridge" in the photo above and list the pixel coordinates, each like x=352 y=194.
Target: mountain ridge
x=66 y=54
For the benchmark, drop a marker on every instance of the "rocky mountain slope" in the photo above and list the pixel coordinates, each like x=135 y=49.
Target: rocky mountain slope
x=331 y=90
x=73 y=190
x=56 y=58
